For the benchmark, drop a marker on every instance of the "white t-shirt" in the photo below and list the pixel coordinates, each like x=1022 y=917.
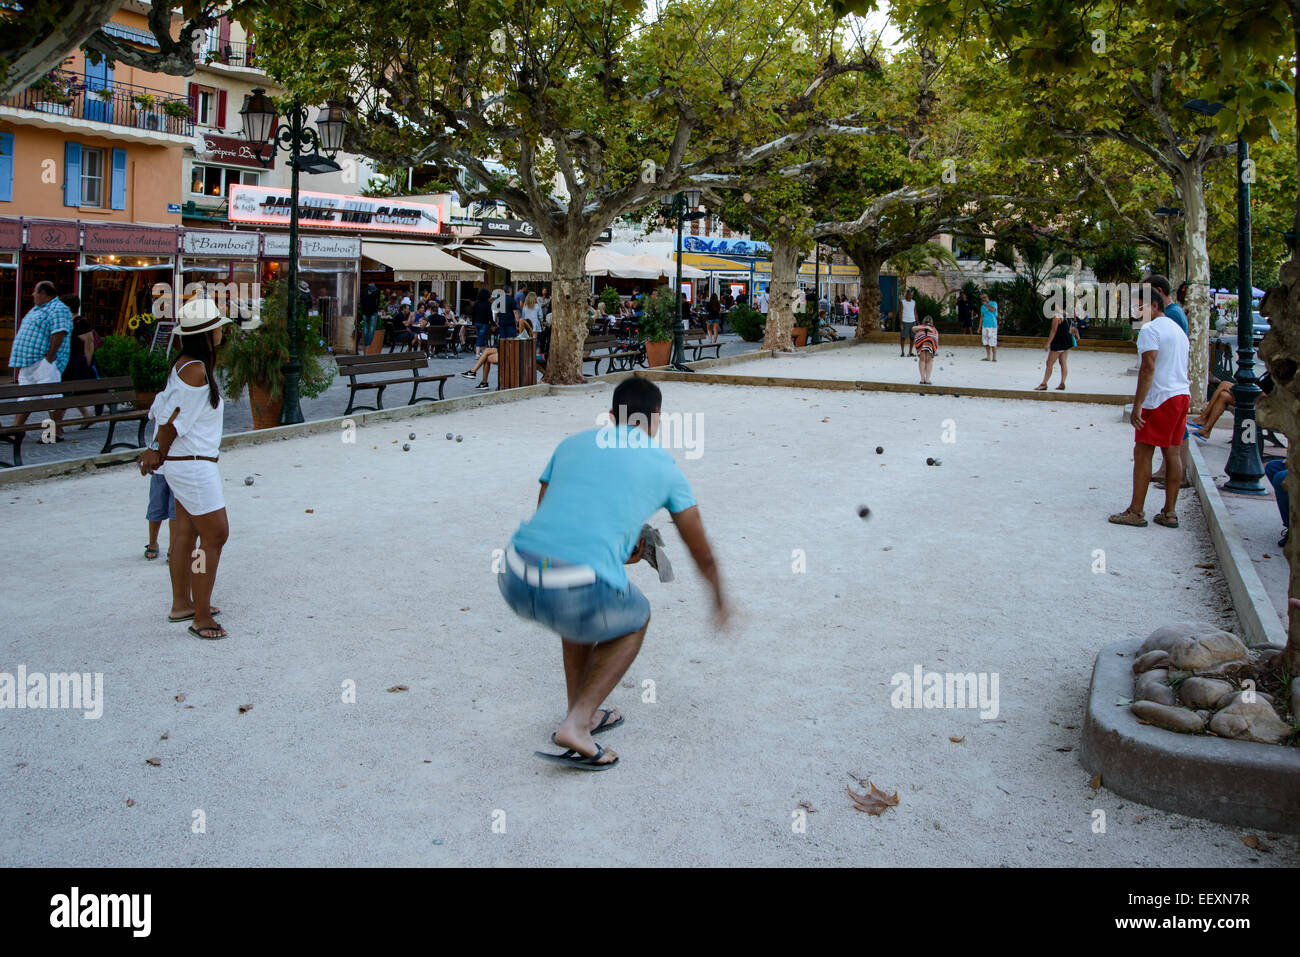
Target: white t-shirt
x=763 y=302
x=1170 y=377
x=909 y=310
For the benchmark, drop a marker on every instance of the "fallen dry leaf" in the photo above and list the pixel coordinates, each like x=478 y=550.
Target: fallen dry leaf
x=1095 y=783
x=310 y=511
x=164 y=736
x=1253 y=842
x=807 y=806
x=130 y=803
x=955 y=739
x=465 y=608
x=874 y=802
x=1064 y=750
x=156 y=762
x=1204 y=565
x=245 y=708
x=180 y=698
x=398 y=688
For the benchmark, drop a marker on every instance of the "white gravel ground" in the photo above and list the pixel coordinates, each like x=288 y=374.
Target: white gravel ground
x=983 y=564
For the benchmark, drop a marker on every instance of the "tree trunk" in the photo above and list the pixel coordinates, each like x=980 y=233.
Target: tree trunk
x=1197 y=253
x=868 y=292
x=569 y=295
x=785 y=280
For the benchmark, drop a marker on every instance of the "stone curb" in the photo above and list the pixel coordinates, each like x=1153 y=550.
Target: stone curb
x=1258 y=618
x=1240 y=783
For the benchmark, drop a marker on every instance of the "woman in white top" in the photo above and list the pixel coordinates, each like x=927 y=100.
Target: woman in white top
x=185 y=447
x=532 y=312
x=906 y=323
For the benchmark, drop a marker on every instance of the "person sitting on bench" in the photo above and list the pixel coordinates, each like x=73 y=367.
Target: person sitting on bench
x=485 y=361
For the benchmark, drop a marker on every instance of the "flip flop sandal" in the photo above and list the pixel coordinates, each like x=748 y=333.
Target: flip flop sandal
x=198 y=633
x=1128 y=518
x=572 y=759
x=151 y=552
x=1170 y=521
x=190 y=616
x=1061 y=387
x=1040 y=388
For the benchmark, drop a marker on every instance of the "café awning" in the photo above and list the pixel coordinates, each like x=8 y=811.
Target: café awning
x=522 y=264
x=416 y=262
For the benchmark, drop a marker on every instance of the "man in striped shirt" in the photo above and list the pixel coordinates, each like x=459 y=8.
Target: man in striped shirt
x=43 y=345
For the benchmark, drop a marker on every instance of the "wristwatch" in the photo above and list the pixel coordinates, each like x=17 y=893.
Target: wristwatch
x=153 y=447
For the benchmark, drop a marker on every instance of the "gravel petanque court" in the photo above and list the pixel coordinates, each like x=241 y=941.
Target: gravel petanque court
x=361 y=563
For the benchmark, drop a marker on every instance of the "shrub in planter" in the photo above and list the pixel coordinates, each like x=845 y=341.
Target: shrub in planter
x=748 y=322
x=149 y=370
x=179 y=109
x=609 y=296
x=257 y=354
x=114 y=355
x=660 y=313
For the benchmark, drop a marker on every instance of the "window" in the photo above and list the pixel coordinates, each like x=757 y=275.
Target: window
x=215 y=181
x=92 y=176
x=205 y=105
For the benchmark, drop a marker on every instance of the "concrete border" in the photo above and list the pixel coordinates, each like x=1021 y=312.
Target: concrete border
x=1258 y=618
x=859 y=385
x=1240 y=783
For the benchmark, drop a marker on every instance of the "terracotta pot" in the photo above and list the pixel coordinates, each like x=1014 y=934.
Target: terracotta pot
x=377 y=343
x=658 y=354
x=266 y=411
x=143 y=400
x=800 y=335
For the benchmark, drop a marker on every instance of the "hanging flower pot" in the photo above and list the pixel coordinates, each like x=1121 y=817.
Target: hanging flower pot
x=266 y=410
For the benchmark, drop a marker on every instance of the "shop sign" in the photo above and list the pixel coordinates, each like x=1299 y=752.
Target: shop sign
x=725 y=247
x=11 y=234
x=130 y=240
x=53 y=236
x=229 y=151
x=270 y=205
x=276 y=246
x=223 y=244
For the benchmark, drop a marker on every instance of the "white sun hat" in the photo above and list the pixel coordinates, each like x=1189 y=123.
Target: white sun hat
x=199 y=315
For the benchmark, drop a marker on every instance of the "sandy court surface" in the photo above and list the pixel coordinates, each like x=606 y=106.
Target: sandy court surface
x=1089 y=372
x=983 y=564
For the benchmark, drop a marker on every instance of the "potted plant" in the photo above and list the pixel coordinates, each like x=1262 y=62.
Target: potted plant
x=180 y=109
x=149 y=372
x=253 y=357
x=609 y=296
x=748 y=322
x=142 y=101
x=113 y=357
x=656 y=328
x=53 y=92
x=105 y=93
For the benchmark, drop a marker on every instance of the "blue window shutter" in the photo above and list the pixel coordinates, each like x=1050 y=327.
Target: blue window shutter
x=71 y=174
x=6 y=167
x=119 y=179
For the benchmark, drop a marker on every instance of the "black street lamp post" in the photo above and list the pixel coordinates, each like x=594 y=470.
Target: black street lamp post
x=816 y=336
x=260 y=129
x=1245 y=467
x=682 y=205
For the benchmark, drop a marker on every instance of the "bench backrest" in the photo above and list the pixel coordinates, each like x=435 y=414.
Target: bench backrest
x=592 y=343
x=384 y=362
x=76 y=393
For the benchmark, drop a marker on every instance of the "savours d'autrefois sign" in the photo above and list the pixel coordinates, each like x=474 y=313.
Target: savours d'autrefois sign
x=266 y=205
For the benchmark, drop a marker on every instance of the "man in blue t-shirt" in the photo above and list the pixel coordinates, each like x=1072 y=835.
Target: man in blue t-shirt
x=564 y=566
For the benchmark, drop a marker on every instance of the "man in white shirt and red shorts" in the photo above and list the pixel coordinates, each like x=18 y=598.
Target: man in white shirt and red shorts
x=1159 y=410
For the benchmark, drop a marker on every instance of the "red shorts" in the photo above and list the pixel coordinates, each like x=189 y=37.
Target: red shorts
x=1166 y=424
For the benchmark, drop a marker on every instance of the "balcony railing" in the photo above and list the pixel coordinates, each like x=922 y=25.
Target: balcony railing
x=118 y=104
x=232 y=54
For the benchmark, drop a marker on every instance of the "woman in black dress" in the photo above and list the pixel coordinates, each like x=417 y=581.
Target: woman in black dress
x=1060 y=340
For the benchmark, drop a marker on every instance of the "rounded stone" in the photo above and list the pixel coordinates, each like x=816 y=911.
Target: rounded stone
x=1232 y=697
x=1152 y=659
x=1207 y=652
x=1165 y=637
x=460 y=438
x=1199 y=693
x=1256 y=721
x=1169 y=717
x=448 y=436
x=880 y=450
x=411 y=436
x=248 y=480
x=1152 y=686
x=406 y=446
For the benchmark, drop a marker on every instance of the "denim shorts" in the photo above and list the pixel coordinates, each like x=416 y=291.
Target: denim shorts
x=162 y=503
x=480 y=334
x=585 y=614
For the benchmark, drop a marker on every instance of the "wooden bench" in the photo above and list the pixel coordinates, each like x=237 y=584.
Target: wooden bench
x=76 y=394
x=406 y=367
x=695 y=344
x=624 y=359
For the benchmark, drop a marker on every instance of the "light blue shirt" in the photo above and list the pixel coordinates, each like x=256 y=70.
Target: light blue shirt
x=37 y=329
x=989 y=315
x=602 y=486
x=1175 y=312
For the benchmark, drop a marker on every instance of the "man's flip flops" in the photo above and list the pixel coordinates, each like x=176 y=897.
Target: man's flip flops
x=605 y=723
x=573 y=759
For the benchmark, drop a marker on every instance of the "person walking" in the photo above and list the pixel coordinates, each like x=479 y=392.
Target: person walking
x=989 y=328
x=564 y=565
x=1159 y=412
x=907 y=320
x=763 y=302
x=507 y=327
x=1060 y=340
x=482 y=317
x=185 y=448
x=532 y=312
x=963 y=314
x=926 y=336
x=81 y=359
x=714 y=314
x=370 y=306
x=42 y=347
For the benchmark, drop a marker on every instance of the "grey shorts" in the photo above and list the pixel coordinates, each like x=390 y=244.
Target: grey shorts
x=162 y=503
x=905 y=332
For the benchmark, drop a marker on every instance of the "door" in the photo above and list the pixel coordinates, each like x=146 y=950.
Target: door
x=888 y=295
x=98 y=77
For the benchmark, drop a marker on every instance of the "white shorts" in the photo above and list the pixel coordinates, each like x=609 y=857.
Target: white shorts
x=196 y=485
x=41 y=373
x=989 y=334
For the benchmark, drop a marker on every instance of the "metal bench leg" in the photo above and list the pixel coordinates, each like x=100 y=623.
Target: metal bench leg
x=352 y=398
x=108 y=442
x=441 y=383
x=379 y=397
x=415 y=387
x=16 y=445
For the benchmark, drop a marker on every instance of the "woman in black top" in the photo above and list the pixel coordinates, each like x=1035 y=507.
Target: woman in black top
x=714 y=310
x=81 y=358
x=1059 y=341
